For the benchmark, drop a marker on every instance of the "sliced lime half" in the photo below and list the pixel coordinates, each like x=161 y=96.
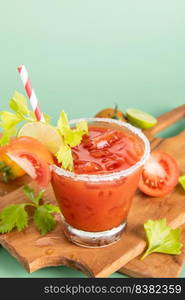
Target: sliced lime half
x=44 y=133
x=140 y=118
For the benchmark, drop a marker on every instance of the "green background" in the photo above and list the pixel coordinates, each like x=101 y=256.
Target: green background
x=85 y=55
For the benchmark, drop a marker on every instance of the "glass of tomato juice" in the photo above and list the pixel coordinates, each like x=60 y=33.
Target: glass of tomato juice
x=96 y=197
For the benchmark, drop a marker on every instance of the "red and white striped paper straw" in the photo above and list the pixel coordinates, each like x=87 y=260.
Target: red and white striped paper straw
x=31 y=93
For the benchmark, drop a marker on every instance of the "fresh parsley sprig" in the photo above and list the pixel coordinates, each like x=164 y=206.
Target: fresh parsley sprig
x=16 y=215
x=161 y=238
x=9 y=120
x=71 y=137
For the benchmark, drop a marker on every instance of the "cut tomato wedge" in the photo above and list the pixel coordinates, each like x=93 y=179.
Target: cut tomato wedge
x=31 y=145
x=32 y=157
x=160 y=175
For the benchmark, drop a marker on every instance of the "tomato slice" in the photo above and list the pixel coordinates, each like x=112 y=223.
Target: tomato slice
x=30 y=145
x=160 y=175
x=35 y=167
x=33 y=157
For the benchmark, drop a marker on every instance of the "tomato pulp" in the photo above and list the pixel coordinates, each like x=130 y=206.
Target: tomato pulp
x=101 y=205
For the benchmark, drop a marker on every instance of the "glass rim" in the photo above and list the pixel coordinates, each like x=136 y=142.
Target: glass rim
x=114 y=175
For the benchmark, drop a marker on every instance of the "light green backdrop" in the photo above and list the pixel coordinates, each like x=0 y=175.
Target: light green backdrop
x=84 y=55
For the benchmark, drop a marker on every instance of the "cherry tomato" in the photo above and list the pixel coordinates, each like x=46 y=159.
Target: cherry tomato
x=160 y=175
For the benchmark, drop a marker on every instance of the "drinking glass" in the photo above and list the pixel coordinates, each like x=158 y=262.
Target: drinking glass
x=94 y=208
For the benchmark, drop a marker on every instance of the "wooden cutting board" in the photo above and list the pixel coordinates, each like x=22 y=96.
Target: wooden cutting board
x=35 y=251
x=161 y=265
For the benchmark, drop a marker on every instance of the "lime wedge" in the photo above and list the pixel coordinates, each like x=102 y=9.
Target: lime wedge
x=182 y=181
x=46 y=134
x=140 y=118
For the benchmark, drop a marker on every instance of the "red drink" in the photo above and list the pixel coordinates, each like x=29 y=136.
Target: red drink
x=97 y=196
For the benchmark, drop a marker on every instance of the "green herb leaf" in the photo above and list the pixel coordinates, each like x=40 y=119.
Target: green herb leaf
x=161 y=238
x=31 y=194
x=82 y=125
x=18 y=104
x=52 y=208
x=64 y=156
x=47 y=118
x=8 y=120
x=43 y=220
x=6 y=135
x=13 y=216
x=39 y=196
x=72 y=137
x=63 y=123
x=182 y=181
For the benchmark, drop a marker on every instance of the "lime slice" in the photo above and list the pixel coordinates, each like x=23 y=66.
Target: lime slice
x=46 y=134
x=182 y=181
x=140 y=118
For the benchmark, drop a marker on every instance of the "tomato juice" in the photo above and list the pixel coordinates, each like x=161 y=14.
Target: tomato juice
x=97 y=196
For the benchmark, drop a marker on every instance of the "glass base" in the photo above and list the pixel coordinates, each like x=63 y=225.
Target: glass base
x=93 y=239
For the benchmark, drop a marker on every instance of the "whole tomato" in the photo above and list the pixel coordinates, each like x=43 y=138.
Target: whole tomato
x=112 y=113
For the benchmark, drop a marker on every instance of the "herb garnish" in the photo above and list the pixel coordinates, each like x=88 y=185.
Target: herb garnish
x=16 y=216
x=161 y=238
x=10 y=120
x=71 y=137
